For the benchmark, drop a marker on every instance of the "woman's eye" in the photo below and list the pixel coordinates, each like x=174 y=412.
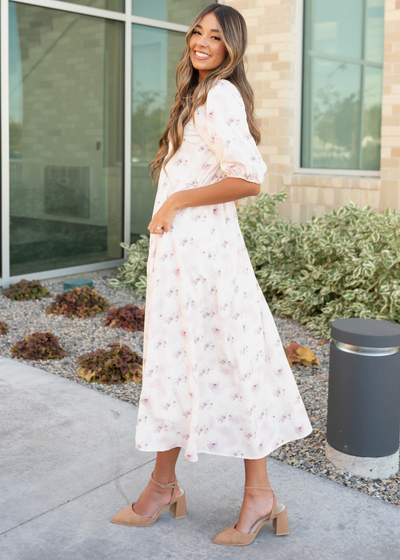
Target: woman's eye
x=214 y=37
x=198 y=32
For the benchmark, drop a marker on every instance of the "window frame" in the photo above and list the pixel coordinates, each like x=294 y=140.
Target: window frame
x=298 y=92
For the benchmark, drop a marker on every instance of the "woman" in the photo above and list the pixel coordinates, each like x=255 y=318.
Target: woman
x=215 y=375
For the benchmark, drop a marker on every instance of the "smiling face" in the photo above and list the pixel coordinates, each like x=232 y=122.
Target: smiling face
x=207 y=50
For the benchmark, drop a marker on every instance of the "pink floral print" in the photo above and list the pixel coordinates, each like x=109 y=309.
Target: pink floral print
x=215 y=375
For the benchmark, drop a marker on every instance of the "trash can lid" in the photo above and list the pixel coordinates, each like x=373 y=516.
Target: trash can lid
x=371 y=333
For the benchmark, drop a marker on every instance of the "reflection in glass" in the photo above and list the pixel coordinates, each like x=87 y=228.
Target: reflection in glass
x=342 y=84
x=66 y=139
x=176 y=11
x=337 y=27
x=374 y=30
x=371 y=141
x=155 y=56
x=335 y=115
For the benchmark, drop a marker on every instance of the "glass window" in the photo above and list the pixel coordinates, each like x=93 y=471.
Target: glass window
x=175 y=11
x=155 y=57
x=337 y=27
x=374 y=30
x=371 y=124
x=342 y=84
x=66 y=139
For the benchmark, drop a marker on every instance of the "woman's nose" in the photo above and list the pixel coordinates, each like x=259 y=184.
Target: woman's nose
x=202 y=42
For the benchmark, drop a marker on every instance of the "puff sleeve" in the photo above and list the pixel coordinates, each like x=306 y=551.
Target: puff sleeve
x=229 y=136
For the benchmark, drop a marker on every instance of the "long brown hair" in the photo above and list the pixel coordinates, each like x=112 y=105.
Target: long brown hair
x=191 y=94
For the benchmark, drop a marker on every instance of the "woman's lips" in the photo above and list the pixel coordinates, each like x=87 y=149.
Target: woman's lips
x=201 y=56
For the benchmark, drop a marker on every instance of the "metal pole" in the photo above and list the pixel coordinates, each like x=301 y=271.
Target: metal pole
x=5 y=147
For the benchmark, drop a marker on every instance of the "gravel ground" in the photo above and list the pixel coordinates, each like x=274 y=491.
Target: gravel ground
x=78 y=336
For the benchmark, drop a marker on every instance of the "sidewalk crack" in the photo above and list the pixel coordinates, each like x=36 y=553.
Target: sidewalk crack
x=76 y=497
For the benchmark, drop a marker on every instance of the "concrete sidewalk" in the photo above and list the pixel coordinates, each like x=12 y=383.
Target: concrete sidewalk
x=68 y=463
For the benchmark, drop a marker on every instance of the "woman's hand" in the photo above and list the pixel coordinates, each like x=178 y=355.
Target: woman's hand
x=163 y=218
x=229 y=189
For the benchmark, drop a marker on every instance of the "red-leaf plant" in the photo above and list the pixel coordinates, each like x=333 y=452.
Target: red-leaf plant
x=130 y=317
x=39 y=346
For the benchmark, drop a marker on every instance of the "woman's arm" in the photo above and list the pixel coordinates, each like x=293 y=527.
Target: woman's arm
x=226 y=190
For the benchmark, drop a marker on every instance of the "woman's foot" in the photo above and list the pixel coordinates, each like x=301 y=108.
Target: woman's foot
x=256 y=504
x=152 y=498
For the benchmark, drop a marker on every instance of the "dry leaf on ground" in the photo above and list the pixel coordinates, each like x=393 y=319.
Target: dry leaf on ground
x=307 y=356
x=303 y=355
x=291 y=353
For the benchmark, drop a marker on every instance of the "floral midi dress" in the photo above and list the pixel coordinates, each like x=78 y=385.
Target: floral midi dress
x=215 y=375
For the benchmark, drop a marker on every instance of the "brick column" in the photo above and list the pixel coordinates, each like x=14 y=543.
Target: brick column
x=271 y=72
x=390 y=151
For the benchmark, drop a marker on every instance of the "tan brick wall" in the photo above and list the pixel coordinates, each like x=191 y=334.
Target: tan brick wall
x=390 y=153
x=271 y=56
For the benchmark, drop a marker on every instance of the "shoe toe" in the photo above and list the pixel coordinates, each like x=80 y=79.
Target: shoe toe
x=225 y=536
x=123 y=517
x=232 y=537
x=129 y=517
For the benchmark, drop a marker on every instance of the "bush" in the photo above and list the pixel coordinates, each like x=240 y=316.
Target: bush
x=39 y=346
x=130 y=317
x=133 y=273
x=25 y=290
x=3 y=328
x=343 y=264
x=115 y=366
x=79 y=302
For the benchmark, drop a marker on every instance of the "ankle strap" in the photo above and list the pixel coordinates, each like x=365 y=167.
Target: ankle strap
x=257 y=488
x=173 y=484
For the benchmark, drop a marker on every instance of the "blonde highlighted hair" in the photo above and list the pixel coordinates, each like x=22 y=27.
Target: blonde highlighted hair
x=191 y=94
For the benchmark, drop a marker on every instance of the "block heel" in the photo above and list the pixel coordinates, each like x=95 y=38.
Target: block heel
x=178 y=509
x=281 y=524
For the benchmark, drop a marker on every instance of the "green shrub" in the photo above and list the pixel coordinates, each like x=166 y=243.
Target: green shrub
x=343 y=264
x=79 y=302
x=25 y=290
x=130 y=317
x=39 y=346
x=3 y=328
x=133 y=273
x=111 y=367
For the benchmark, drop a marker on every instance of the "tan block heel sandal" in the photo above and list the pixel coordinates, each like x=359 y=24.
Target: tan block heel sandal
x=177 y=507
x=278 y=515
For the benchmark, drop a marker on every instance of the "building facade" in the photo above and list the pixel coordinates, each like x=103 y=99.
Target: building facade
x=87 y=85
x=326 y=77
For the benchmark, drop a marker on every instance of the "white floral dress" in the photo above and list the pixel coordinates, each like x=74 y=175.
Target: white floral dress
x=215 y=375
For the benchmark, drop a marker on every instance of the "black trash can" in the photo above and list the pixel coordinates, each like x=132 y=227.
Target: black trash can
x=364 y=397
